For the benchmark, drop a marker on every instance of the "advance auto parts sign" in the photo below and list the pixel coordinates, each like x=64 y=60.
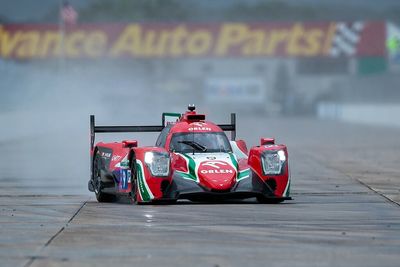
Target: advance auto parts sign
x=22 y=41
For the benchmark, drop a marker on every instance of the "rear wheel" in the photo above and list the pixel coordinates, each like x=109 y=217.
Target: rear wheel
x=98 y=184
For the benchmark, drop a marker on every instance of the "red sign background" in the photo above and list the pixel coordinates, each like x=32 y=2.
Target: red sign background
x=174 y=40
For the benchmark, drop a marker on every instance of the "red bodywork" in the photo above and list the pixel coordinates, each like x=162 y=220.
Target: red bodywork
x=255 y=162
x=213 y=172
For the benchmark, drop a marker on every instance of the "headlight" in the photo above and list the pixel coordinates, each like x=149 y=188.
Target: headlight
x=272 y=161
x=158 y=163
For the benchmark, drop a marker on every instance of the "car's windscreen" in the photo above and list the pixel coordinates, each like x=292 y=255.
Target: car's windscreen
x=200 y=142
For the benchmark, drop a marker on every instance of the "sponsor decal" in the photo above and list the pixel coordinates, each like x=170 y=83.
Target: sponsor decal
x=105 y=154
x=221 y=163
x=216 y=171
x=125 y=175
x=199 y=129
x=217 y=174
x=116 y=158
x=172 y=40
x=199 y=126
x=216 y=167
x=170 y=118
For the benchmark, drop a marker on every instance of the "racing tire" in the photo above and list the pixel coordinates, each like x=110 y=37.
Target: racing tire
x=265 y=200
x=98 y=184
x=134 y=191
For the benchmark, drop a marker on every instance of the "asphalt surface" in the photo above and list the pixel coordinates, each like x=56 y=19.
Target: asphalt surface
x=345 y=212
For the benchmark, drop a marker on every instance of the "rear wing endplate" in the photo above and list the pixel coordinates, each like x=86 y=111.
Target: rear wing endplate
x=150 y=128
x=230 y=127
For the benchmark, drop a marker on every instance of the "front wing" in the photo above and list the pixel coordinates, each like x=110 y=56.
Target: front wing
x=184 y=188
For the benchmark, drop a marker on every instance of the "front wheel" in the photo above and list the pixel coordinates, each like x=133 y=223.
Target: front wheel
x=134 y=191
x=98 y=184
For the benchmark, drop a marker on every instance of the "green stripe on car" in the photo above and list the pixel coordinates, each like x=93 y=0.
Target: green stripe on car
x=192 y=168
x=244 y=174
x=144 y=190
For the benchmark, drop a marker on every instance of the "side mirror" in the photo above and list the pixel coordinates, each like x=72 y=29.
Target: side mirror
x=129 y=143
x=267 y=141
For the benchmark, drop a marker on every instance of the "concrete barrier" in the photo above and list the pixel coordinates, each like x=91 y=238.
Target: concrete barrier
x=371 y=114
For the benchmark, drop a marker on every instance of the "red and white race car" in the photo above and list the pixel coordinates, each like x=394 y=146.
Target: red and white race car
x=192 y=159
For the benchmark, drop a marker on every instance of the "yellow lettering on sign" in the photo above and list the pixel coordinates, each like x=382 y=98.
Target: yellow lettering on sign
x=137 y=40
x=95 y=44
x=50 y=44
x=254 y=44
x=276 y=38
x=8 y=43
x=199 y=43
x=313 y=41
x=149 y=42
x=128 y=42
x=231 y=34
x=28 y=44
x=74 y=43
x=177 y=38
x=296 y=34
x=160 y=48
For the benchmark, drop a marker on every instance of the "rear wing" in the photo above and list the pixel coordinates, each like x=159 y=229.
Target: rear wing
x=150 y=128
x=230 y=127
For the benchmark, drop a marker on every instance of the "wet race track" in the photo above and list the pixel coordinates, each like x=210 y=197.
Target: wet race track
x=345 y=212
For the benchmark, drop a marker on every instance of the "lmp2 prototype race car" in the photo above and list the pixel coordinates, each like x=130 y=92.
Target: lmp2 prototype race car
x=192 y=159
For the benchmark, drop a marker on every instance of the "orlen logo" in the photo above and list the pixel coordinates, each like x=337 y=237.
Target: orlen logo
x=215 y=167
x=217 y=174
x=199 y=126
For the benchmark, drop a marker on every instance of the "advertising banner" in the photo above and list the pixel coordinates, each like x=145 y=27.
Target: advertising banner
x=393 y=45
x=177 y=40
x=235 y=90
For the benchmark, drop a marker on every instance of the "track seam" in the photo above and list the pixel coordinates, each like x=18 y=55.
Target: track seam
x=33 y=258
x=76 y=213
x=53 y=237
x=354 y=178
x=372 y=189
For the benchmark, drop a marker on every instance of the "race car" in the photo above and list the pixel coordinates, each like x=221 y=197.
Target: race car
x=192 y=159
